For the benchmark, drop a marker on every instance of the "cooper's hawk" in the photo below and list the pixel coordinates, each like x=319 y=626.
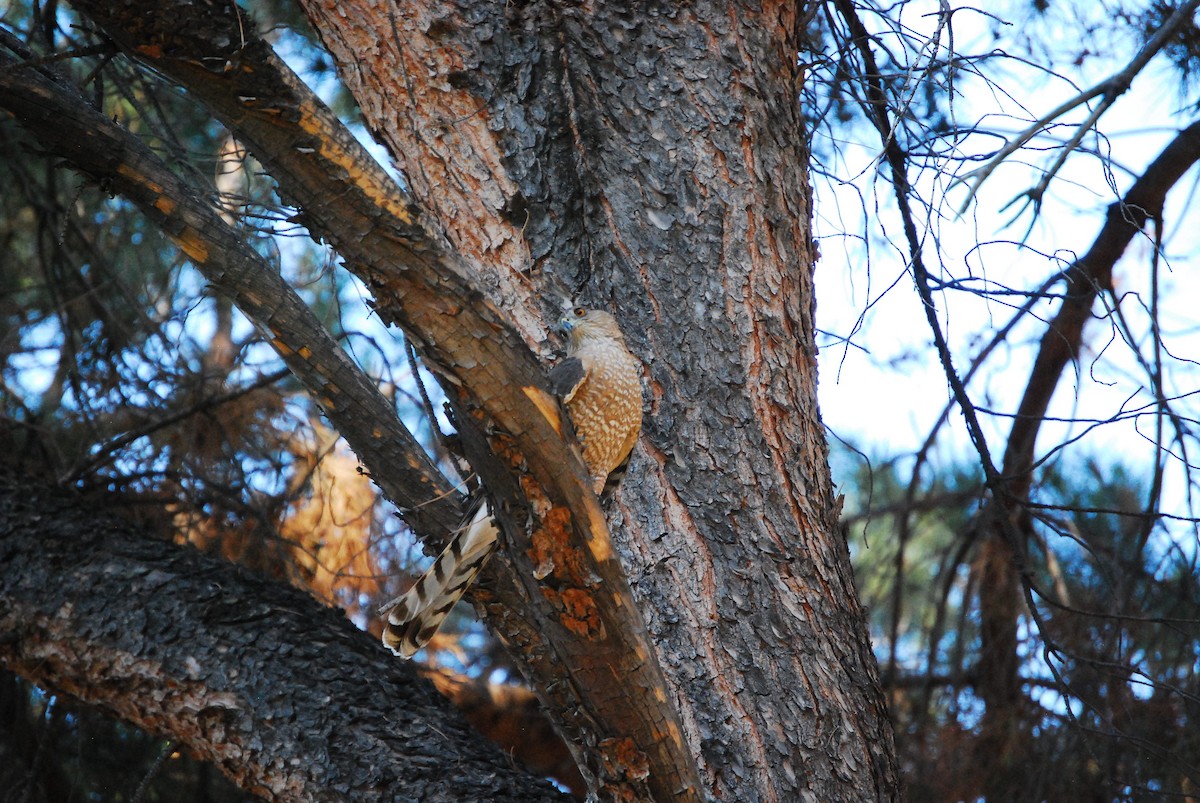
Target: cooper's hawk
x=599 y=381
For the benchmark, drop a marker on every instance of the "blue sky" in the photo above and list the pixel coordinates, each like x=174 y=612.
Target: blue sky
x=884 y=389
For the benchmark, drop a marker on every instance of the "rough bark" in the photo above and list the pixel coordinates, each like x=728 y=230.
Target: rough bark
x=695 y=148
x=188 y=647
x=768 y=635
x=672 y=137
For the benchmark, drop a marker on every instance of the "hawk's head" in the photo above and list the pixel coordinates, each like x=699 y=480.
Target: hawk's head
x=581 y=325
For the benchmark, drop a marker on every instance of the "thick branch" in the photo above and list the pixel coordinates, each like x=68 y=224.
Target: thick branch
x=284 y=695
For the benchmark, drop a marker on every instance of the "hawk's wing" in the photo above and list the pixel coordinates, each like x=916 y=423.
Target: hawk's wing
x=567 y=378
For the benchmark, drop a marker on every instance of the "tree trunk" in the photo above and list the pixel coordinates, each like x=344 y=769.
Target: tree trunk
x=658 y=160
x=699 y=214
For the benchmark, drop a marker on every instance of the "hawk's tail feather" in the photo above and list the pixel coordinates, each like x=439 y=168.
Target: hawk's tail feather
x=415 y=616
x=613 y=480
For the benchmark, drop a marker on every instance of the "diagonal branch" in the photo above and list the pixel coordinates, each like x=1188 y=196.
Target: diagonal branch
x=1086 y=278
x=1107 y=90
x=65 y=123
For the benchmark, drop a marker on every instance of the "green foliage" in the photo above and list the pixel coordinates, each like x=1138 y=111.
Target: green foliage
x=904 y=553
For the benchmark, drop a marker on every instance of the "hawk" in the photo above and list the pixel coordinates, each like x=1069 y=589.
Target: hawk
x=599 y=381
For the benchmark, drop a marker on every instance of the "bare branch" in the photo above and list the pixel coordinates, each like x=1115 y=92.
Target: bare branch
x=64 y=121
x=1086 y=278
x=877 y=110
x=1109 y=90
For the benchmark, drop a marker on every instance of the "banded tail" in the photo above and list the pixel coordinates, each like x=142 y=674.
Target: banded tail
x=415 y=616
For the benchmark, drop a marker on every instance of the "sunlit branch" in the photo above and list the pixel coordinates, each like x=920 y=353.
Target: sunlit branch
x=99 y=147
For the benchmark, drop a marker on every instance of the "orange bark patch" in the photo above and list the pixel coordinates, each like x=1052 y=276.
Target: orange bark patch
x=552 y=554
x=548 y=542
x=315 y=121
x=192 y=244
x=533 y=492
x=576 y=611
x=551 y=547
x=546 y=405
x=624 y=760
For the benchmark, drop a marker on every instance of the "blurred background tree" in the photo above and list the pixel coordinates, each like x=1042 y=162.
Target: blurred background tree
x=1027 y=545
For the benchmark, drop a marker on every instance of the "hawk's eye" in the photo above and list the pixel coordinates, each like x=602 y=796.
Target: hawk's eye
x=580 y=312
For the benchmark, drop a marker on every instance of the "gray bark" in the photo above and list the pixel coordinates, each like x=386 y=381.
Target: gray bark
x=284 y=695
x=696 y=155
x=654 y=156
